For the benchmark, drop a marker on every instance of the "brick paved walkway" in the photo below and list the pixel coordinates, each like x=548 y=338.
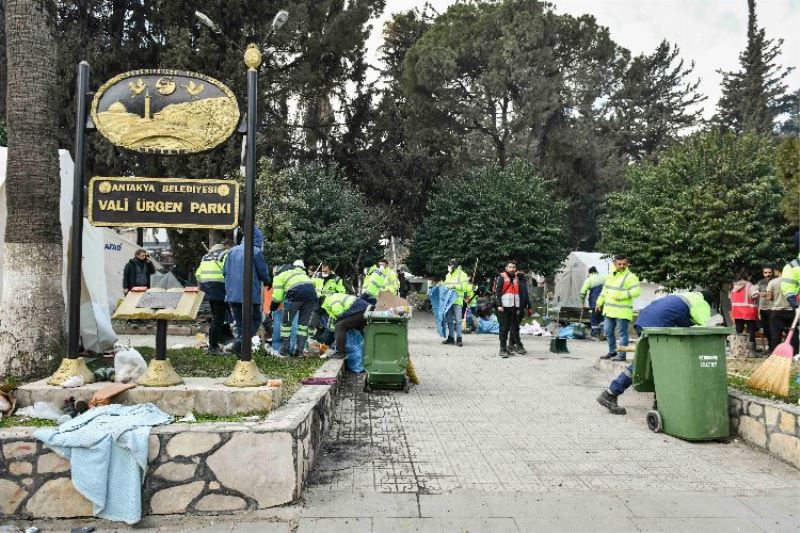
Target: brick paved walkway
x=528 y=423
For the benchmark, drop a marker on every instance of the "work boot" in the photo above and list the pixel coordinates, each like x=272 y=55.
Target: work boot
x=459 y=342
x=609 y=355
x=620 y=357
x=284 y=352
x=504 y=353
x=449 y=340
x=609 y=401
x=520 y=349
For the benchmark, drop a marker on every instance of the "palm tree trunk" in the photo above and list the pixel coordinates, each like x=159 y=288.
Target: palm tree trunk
x=32 y=307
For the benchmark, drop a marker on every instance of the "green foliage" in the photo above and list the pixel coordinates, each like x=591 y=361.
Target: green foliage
x=755 y=96
x=787 y=166
x=312 y=212
x=654 y=103
x=707 y=209
x=494 y=214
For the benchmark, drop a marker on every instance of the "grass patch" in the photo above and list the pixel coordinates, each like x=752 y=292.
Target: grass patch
x=12 y=421
x=740 y=369
x=195 y=363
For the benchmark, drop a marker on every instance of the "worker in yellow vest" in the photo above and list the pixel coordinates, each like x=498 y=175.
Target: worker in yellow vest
x=616 y=303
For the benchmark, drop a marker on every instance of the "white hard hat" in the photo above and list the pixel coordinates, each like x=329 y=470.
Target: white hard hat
x=299 y=263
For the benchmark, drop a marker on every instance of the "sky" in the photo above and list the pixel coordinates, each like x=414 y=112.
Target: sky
x=709 y=32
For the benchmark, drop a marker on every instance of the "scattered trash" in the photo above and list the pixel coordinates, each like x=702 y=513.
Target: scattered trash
x=32 y=529
x=256 y=340
x=72 y=382
x=318 y=381
x=129 y=365
x=103 y=396
x=275 y=383
x=42 y=410
x=104 y=374
x=188 y=418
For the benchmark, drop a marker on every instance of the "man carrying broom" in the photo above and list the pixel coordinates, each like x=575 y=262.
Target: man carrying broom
x=672 y=311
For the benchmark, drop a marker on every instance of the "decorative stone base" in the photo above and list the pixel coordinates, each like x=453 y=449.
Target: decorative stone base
x=246 y=374
x=208 y=396
x=771 y=426
x=160 y=374
x=69 y=368
x=192 y=468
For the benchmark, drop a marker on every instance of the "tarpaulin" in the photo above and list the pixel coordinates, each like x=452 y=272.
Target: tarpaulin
x=441 y=299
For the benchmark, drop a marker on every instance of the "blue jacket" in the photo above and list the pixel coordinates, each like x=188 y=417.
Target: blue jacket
x=234 y=271
x=667 y=312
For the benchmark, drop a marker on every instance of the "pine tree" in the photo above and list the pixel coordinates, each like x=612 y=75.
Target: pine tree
x=755 y=96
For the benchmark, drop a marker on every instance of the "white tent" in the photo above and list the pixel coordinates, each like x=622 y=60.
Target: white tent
x=575 y=270
x=97 y=293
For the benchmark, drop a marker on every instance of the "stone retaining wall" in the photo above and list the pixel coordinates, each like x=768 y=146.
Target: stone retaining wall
x=192 y=468
x=771 y=426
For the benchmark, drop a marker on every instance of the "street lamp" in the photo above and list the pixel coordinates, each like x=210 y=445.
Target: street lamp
x=246 y=373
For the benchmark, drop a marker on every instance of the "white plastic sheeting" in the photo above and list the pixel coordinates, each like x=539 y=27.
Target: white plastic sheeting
x=96 y=332
x=575 y=270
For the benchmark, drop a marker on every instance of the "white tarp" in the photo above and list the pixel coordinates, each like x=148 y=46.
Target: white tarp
x=575 y=270
x=96 y=332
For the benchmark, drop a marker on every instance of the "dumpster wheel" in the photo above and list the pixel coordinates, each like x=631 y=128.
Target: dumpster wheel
x=367 y=388
x=654 y=421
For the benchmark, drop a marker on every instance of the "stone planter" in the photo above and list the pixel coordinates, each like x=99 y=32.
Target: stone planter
x=766 y=424
x=193 y=468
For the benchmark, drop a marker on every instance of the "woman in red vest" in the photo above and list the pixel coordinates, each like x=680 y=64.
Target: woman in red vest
x=743 y=308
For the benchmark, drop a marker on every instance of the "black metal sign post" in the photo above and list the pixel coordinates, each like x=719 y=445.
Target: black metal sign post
x=73 y=365
x=246 y=373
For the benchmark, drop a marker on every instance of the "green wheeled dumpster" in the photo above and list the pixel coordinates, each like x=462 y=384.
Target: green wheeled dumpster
x=685 y=367
x=385 y=352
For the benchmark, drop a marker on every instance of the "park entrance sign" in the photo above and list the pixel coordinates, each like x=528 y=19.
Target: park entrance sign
x=164 y=113
x=163 y=203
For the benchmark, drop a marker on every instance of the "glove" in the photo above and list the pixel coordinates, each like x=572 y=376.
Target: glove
x=792 y=299
x=274 y=306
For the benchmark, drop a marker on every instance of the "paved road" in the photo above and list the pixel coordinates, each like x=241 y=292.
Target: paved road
x=491 y=444
x=502 y=445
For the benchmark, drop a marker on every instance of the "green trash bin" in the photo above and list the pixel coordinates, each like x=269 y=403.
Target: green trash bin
x=686 y=369
x=385 y=352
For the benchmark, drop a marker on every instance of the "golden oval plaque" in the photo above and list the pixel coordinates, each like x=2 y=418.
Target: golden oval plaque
x=167 y=112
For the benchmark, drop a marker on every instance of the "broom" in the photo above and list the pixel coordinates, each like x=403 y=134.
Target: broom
x=774 y=373
x=411 y=372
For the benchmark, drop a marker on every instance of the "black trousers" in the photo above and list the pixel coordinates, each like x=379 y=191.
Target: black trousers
x=509 y=319
x=766 y=315
x=781 y=321
x=343 y=325
x=752 y=326
x=219 y=313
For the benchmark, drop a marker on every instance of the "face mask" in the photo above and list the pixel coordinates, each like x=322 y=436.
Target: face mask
x=449 y=268
x=325 y=274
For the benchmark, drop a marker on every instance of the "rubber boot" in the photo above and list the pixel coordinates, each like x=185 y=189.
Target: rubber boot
x=609 y=401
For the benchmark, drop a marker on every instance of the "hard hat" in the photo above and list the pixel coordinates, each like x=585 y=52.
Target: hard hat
x=299 y=263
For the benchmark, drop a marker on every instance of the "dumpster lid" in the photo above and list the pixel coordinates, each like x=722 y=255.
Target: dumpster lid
x=681 y=332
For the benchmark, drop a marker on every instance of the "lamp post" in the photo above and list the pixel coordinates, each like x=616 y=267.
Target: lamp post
x=246 y=373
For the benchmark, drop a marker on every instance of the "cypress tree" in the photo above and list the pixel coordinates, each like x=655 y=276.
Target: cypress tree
x=754 y=96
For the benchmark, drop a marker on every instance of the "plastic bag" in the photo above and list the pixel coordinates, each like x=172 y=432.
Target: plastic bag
x=43 y=410
x=354 y=347
x=129 y=365
x=487 y=326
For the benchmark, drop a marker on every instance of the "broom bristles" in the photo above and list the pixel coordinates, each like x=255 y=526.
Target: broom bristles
x=773 y=375
x=411 y=373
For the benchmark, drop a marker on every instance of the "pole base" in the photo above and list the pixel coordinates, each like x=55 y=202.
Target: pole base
x=69 y=368
x=160 y=374
x=246 y=374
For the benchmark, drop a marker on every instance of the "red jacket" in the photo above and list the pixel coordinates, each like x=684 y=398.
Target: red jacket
x=742 y=305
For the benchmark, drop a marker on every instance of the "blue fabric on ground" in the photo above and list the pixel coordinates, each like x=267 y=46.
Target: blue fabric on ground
x=487 y=326
x=277 y=316
x=441 y=299
x=354 y=346
x=107 y=450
